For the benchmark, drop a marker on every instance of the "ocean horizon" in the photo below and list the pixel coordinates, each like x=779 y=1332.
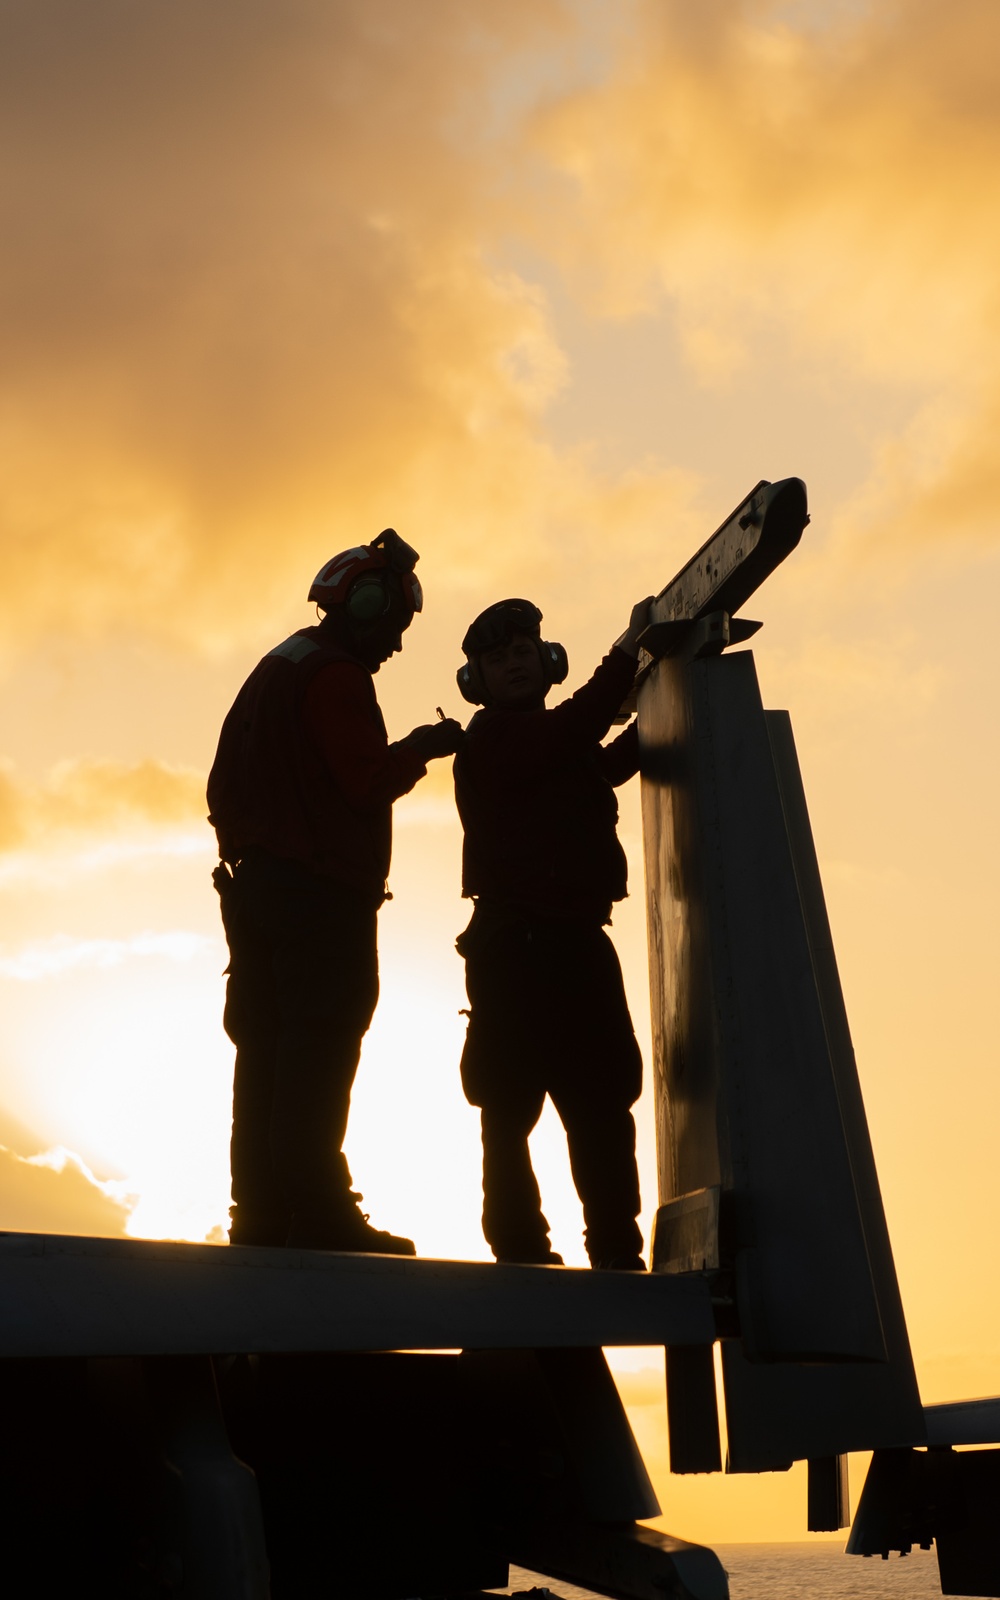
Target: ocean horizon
x=792 y=1571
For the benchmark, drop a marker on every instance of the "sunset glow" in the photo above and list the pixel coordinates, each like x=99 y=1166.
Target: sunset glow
x=548 y=286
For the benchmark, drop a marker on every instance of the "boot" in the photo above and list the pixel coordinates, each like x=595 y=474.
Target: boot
x=345 y=1229
x=614 y=1243
x=533 y=1258
x=255 y=1228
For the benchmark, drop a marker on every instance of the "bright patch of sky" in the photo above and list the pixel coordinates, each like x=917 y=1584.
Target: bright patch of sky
x=49 y=957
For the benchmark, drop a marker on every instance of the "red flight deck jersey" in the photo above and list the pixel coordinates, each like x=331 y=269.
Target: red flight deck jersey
x=304 y=768
x=535 y=791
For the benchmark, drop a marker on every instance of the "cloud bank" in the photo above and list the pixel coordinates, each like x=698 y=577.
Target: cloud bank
x=818 y=174
x=56 y=1192
x=88 y=798
x=246 y=308
x=257 y=302
x=48 y=958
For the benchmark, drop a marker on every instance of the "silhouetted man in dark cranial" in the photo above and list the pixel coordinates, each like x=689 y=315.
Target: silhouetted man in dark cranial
x=301 y=799
x=542 y=861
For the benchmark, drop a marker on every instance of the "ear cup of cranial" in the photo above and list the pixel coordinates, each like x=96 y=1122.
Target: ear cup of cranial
x=368 y=598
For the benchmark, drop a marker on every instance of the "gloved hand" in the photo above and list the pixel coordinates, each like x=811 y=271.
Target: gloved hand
x=629 y=641
x=434 y=739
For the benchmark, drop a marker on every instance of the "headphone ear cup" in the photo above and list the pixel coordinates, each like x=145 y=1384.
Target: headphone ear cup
x=468 y=679
x=367 y=599
x=555 y=662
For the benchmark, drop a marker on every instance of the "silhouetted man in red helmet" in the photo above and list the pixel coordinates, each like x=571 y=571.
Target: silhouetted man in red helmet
x=542 y=861
x=301 y=797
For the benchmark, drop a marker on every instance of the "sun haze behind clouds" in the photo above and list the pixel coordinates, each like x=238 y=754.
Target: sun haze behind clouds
x=548 y=286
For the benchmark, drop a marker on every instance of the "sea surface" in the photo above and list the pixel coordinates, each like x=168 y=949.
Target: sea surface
x=788 y=1571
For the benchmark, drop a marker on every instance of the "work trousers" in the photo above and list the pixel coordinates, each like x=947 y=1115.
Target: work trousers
x=548 y=1016
x=303 y=984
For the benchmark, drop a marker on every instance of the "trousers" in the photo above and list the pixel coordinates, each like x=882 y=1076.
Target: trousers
x=302 y=989
x=548 y=1016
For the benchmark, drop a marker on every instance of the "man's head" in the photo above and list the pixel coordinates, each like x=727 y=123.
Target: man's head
x=509 y=664
x=370 y=595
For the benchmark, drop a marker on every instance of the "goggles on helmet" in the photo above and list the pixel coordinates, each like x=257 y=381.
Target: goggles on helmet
x=500 y=623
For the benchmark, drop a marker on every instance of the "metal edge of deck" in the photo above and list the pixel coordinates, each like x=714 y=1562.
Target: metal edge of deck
x=66 y=1296
x=963 y=1422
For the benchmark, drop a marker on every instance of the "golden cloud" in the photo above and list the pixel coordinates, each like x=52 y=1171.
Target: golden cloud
x=246 y=308
x=89 y=797
x=822 y=172
x=56 y=1192
x=254 y=302
x=47 y=958
x=253 y=308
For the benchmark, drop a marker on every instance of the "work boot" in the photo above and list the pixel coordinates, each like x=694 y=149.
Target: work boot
x=349 y=1230
x=536 y=1258
x=255 y=1228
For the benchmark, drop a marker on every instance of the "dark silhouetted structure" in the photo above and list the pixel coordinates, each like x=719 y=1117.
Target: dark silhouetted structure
x=542 y=861
x=301 y=799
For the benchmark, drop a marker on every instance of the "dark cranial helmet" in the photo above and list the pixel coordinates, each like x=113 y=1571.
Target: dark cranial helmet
x=496 y=626
x=500 y=623
x=367 y=578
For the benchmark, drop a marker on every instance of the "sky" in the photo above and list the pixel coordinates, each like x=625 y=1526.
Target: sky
x=548 y=285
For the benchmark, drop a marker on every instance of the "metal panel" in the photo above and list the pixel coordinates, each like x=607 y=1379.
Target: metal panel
x=680 y=980
x=552 y=1433
x=629 y=1563
x=775 y=1410
x=686 y=1233
x=752 y=1086
x=963 y=1422
x=725 y=572
x=693 y=1410
x=739 y=555
x=828 y=1500
x=934 y=1496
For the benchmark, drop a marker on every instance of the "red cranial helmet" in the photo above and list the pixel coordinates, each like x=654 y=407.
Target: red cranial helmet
x=369 y=578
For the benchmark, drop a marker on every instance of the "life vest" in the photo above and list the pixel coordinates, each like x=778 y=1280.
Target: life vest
x=543 y=837
x=270 y=788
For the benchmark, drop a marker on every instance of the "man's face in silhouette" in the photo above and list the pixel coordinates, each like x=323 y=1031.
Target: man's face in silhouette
x=512 y=674
x=374 y=642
